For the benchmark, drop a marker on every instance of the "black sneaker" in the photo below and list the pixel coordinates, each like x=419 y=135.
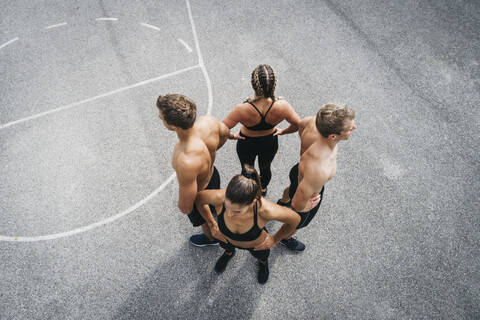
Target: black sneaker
x=283 y=204
x=222 y=261
x=264 y=193
x=263 y=272
x=201 y=240
x=293 y=244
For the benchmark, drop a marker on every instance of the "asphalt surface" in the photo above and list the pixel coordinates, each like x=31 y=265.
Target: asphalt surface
x=89 y=227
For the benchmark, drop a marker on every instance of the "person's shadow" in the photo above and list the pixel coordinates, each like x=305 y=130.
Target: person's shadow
x=187 y=287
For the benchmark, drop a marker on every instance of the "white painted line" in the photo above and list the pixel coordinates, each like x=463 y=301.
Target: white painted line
x=9 y=42
x=155 y=192
x=93 y=225
x=150 y=26
x=56 y=25
x=75 y=104
x=200 y=60
x=106 y=19
x=185 y=45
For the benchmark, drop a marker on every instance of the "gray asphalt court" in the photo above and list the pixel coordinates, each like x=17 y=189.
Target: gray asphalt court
x=89 y=224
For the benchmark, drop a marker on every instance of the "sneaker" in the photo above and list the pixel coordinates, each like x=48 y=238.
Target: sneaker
x=222 y=261
x=201 y=240
x=263 y=272
x=293 y=244
x=283 y=204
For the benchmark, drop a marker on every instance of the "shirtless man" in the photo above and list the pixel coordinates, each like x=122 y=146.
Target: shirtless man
x=193 y=157
x=318 y=162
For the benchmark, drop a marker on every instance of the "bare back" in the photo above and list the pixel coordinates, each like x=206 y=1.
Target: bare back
x=246 y=114
x=197 y=153
x=308 y=133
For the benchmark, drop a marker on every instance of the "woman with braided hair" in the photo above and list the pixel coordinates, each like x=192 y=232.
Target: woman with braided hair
x=258 y=136
x=242 y=219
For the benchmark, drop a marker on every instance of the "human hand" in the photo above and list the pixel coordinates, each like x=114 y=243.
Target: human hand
x=268 y=243
x=216 y=233
x=279 y=132
x=237 y=136
x=312 y=202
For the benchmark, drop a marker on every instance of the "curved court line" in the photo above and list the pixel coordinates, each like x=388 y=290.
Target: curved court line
x=149 y=26
x=75 y=104
x=185 y=45
x=200 y=60
x=9 y=42
x=156 y=191
x=56 y=25
x=93 y=225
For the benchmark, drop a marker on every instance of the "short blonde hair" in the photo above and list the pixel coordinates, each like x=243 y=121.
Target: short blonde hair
x=331 y=118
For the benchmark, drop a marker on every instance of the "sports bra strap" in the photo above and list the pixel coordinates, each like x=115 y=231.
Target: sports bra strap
x=261 y=115
x=268 y=110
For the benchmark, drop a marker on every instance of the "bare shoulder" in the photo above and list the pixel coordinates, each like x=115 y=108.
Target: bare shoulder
x=305 y=123
x=207 y=123
x=188 y=162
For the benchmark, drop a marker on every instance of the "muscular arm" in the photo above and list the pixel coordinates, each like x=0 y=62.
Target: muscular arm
x=224 y=134
x=215 y=198
x=293 y=118
x=290 y=221
x=187 y=181
x=233 y=117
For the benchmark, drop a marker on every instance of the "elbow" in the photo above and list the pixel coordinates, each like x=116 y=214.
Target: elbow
x=184 y=209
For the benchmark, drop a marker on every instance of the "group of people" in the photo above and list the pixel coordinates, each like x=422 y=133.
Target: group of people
x=236 y=217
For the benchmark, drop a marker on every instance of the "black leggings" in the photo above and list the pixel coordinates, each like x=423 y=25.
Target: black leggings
x=265 y=148
x=259 y=254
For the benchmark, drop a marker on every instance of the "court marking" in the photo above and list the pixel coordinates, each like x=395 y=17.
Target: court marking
x=149 y=26
x=185 y=45
x=106 y=19
x=103 y=95
x=9 y=42
x=56 y=25
x=152 y=194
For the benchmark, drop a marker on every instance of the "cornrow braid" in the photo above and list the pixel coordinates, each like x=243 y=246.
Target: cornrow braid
x=264 y=81
x=257 y=86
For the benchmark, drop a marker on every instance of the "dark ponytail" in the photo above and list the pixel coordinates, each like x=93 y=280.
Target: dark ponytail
x=245 y=187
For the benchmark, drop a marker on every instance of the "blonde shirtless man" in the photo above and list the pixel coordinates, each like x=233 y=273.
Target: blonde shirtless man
x=318 y=162
x=193 y=156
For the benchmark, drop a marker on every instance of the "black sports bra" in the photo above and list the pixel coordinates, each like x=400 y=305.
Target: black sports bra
x=250 y=235
x=262 y=125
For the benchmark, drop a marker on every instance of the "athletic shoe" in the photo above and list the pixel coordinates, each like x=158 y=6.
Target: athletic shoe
x=264 y=193
x=283 y=204
x=222 y=261
x=263 y=272
x=201 y=240
x=293 y=244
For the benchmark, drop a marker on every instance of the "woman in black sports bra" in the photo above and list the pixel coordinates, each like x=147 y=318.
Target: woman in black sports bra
x=259 y=117
x=242 y=219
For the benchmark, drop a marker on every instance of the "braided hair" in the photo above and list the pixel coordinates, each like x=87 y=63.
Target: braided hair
x=264 y=81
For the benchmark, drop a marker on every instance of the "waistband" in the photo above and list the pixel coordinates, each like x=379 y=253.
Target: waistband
x=260 y=137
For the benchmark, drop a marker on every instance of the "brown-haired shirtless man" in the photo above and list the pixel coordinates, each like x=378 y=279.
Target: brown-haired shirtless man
x=318 y=162
x=193 y=157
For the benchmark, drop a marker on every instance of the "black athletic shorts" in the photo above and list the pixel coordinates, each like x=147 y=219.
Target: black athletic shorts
x=195 y=217
x=305 y=217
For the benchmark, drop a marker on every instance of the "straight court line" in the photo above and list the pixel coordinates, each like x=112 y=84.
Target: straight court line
x=200 y=60
x=93 y=225
x=56 y=25
x=9 y=42
x=75 y=104
x=156 y=191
